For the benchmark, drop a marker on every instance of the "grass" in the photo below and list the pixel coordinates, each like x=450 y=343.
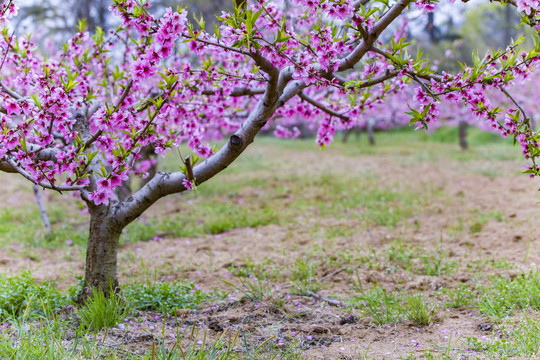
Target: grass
x=164 y=297
x=522 y=338
x=22 y=296
x=475 y=222
x=459 y=297
x=386 y=307
x=47 y=342
x=502 y=295
x=253 y=289
x=252 y=193
x=211 y=212
x=304 y=277
x=400 y=255
x=25 y=225
x=102 y=311
x=380 y=305
x=419 y=310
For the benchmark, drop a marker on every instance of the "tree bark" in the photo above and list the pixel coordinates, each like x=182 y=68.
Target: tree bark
x=463 y=135
x=101 y=253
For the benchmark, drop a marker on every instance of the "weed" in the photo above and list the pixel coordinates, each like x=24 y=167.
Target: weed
x=435 y=264
x=303 y=276
x=247 y=268
x=399 y=255
x=47 y=342
x=521 y=339
x=475 y=223
x=382 y=306
x=252 y=288
x=102 y=311
x=444 y=352
x=459 y=297
x=420 y=311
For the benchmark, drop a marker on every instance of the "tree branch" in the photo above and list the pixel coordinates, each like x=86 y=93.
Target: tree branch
x=518 y=105
x=116 y=108
x=25 y=174
x=350 y=60
x=6 y=167
x=10 y=92
x=169 y=183
x=237 y=92
x=225 y=47
x=322 y=107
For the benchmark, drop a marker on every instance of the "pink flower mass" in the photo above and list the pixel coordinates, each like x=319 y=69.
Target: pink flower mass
x=80 y=120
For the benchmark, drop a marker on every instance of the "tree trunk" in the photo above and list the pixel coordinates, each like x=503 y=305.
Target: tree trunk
x=346 y=134
x=101 y=253
x=463 y=135
x=42 y=211
x=369 y=128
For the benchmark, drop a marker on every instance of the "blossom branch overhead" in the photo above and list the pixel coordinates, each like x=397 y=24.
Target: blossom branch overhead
x=185 y=85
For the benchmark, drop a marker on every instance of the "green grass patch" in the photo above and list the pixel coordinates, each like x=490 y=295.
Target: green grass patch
x=419 y=310
x=520 y=338
x=164 y=297
x=399 y=255
x=22 y=296
x=501 y=296
x=24 y=226
x=211 y=212
x=102 y=311
x=381 y=305
x=460 y=296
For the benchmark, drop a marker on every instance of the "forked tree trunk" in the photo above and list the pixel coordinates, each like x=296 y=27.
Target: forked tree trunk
x=101 y=253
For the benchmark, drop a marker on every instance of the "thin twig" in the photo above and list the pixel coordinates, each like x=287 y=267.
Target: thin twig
x=10 y=92
x=237 y=92
x=508 y=95
x=325 y=299
x=208 y=42
x=333 y=274
x=116 y=108
x=26 y=175
x=7 y=50
x=322 y=107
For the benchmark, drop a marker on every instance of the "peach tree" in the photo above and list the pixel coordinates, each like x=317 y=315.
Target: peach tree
x=78 y=119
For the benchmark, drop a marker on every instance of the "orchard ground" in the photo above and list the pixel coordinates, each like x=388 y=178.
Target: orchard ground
x=409 y=249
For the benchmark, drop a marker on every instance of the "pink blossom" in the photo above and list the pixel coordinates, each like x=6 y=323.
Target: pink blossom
x=188 y=185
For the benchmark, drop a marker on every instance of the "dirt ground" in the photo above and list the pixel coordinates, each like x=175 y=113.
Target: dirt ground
x=322 y=330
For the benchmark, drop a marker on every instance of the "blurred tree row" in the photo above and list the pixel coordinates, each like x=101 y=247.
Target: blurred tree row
x=59 y=18
x=445 y=35
x=450 y=36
